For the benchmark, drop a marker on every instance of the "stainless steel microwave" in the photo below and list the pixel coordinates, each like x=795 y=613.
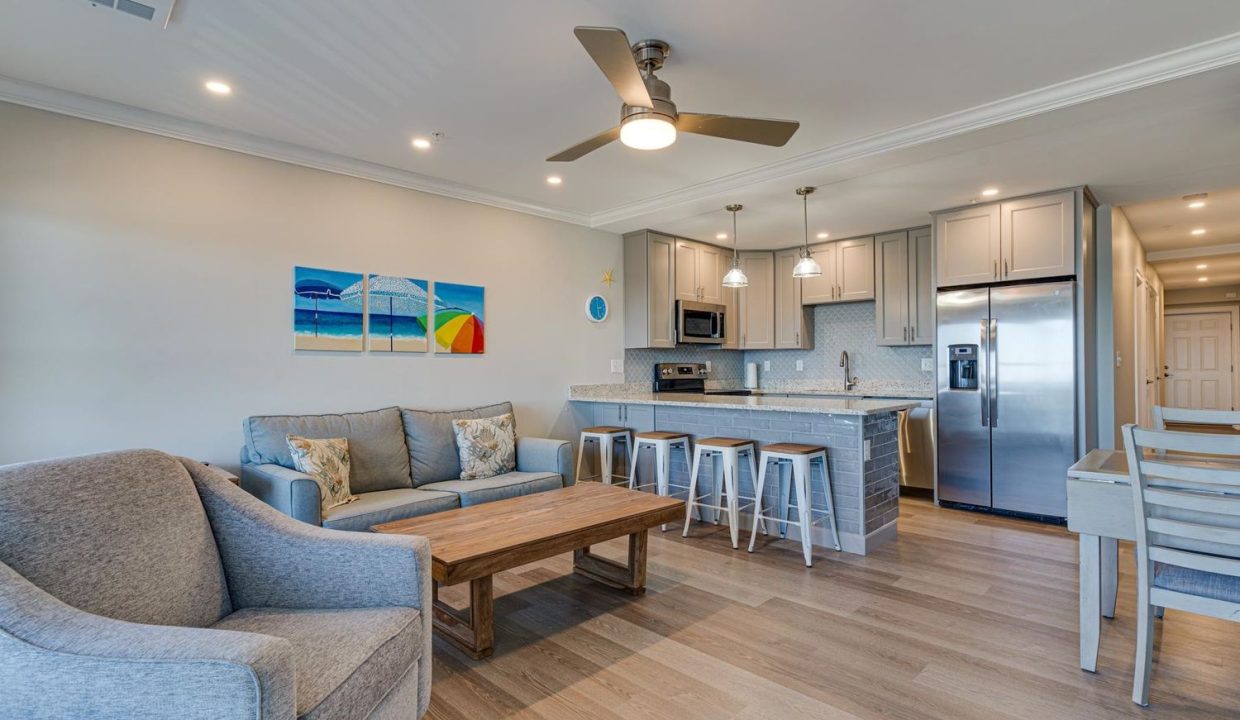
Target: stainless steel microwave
x=698 y=322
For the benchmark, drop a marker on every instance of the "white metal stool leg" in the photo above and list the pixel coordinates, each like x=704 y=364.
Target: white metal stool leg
x=731 y=462
x=784 y=470
x=663 y=461
x=800 y=482
x=605 y=452
x=830 y=501
x=760 y=483
x=716 y=490
x=753 y=475
x=693 y=484
x=581 y=449
x=634 y=456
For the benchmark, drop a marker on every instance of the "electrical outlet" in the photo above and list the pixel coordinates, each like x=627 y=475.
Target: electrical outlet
x=617 y=366
x=707 y=366
x=1119 y=359
x=865 y=449
x=766 y=366
x=800 y=365
x=927 y=364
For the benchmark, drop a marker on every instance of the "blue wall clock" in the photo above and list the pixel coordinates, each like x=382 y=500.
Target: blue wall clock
x=597 y=308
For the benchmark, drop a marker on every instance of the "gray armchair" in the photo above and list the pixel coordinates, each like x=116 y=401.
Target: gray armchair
x=137 y=585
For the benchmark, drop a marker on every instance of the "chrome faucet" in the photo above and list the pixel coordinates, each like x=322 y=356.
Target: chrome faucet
x=850 y=382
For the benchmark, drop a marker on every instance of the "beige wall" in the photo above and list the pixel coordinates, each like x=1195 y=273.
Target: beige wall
x=145 y=293
x=1222 y=295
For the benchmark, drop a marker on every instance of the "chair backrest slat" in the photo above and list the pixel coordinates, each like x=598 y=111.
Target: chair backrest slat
x=1196 y=501
x=1164 y=415
x=1193 y=531
x=1191 y=471
x=1196 y=561
x=1194 y=443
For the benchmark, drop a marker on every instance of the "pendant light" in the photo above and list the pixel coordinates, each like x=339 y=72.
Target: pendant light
x=735 y=277
x=807 y=266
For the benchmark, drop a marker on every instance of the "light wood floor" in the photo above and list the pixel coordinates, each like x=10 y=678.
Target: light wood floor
x=965 y=616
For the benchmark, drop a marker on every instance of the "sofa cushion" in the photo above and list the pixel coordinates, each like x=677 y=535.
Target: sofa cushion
x=385 y=506
x=513 y=484
x=486 y=447
x=347 y=660
x=120 y=534
x=378 y=457
x=432 y=442
x=1197 y=582
x=326 y=461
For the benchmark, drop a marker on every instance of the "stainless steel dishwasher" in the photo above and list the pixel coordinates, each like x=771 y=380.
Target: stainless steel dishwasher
x=917 y=446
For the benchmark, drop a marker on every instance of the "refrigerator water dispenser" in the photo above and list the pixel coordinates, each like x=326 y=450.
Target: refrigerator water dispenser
x=962 y=367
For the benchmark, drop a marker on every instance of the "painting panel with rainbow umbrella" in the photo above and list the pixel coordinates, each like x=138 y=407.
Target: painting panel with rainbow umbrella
x=460 y=326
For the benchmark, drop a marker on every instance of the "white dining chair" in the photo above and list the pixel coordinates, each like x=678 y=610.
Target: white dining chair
x=1187 y=513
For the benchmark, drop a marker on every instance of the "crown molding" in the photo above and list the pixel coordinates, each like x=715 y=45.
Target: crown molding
x=1184 y=62
x=105 y=111
x=1193 y=252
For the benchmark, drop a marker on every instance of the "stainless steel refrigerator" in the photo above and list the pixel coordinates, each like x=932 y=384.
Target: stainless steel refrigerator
x=1007 y=397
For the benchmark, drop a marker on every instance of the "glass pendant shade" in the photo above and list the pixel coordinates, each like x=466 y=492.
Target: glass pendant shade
x=806 y=267
x=735 y=277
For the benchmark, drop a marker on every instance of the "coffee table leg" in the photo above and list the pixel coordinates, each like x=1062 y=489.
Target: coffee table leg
x=630 y=577
x=475 y=634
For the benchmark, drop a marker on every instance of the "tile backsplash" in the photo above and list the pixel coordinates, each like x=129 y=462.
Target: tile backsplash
x=848 y=326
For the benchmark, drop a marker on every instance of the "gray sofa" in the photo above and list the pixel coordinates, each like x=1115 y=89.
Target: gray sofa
x=404 y=464
x=137 y=585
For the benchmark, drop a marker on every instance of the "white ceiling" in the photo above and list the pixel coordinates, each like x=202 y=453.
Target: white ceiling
x=1165 y=227
x=902 y=104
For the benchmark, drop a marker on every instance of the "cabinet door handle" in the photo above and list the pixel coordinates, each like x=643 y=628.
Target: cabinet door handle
x=1005 y=268
x=912 y=333
x=906 y=334
x=996 y=274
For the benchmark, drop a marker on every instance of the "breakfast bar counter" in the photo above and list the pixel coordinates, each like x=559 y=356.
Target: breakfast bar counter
x=860 y=435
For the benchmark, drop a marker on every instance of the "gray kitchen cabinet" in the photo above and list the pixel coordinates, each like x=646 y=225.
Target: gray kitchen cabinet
x=649 y=290
x=638 y=418
x=699 y=272
x=967 y=245
x=794 y=327
x=847 y=272
x=757 y=302
x=921 y=286
x=904 y=298
x=1023 y=239
x=1038 y=237
x=731 y=319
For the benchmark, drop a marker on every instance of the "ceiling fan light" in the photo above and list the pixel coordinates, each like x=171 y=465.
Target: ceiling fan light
x=647 y=132
x=735 y=277
x=806 y=267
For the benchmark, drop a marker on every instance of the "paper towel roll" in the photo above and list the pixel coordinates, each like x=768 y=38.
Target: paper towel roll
x=751 y=376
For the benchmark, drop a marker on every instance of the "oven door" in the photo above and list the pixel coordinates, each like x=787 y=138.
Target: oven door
x=699 y=322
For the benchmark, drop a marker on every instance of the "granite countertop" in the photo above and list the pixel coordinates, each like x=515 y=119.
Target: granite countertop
x=813 y=405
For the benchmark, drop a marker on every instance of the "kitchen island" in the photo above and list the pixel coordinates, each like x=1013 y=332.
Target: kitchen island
x=860 y=435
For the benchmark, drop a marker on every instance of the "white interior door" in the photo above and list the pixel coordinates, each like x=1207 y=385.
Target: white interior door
x=1199 y=355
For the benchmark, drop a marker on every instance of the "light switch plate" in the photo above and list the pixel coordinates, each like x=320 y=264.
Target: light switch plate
x=766 y=366
x=707 y=366
x=617 y=366
x=865 y=449
x=927 y=364
x=800 y=365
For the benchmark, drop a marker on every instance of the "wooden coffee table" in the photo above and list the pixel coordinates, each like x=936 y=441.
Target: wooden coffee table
x=475 y=542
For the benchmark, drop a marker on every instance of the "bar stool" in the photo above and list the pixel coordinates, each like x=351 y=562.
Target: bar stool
x=605 y=437
x=662 y=442
x=724 y=454
x=802 y=458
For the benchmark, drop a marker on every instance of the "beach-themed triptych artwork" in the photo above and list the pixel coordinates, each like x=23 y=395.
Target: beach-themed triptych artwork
x=344 y=311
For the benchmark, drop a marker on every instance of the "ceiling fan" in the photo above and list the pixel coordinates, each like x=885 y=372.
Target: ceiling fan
x=648 y=118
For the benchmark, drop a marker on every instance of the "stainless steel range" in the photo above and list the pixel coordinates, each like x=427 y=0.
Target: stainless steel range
x=686 y=378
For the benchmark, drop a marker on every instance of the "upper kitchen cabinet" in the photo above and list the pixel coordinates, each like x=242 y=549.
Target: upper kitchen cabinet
x=1038 y=237
x=1024 y=239
x=794 y=326
x=905 y=298
x=847 y=272
x=699 y=272
x=967 y=245
x=649 y=290
x=757 y=301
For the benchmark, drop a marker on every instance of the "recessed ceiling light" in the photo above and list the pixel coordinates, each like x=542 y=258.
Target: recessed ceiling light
x=1202 y=279
x=721 y=236
x=1197 y=204
x=990 y=192
x=421 y=143
x=824 y=235
x=1197 y=201
x=217 y=87
x=1202 y=266
x=1199 y=231
x=554 y=180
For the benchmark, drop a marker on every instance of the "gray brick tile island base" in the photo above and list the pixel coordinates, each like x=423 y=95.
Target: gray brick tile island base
x=866 y=489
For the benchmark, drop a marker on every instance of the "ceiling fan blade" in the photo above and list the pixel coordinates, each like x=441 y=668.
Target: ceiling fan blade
x=610 y=49
x=586 y=146
x=754 y=130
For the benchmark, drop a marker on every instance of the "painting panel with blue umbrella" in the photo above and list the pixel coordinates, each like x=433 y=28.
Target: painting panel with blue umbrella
x=397 y=311
x=323 y=318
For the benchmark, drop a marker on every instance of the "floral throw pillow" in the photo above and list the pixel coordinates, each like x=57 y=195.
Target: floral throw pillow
x=327 y=462
x=487 y=446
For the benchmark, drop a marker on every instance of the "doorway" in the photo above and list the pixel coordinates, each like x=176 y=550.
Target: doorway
x=1200 y=359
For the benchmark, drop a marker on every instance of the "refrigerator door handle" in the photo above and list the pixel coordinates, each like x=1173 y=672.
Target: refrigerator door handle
x=983 y=385
x=993 y=373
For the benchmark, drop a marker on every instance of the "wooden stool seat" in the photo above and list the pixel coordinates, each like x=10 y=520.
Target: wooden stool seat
x=792 y=449
x=605 y=429
x=661 y=435
x=724 y=442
